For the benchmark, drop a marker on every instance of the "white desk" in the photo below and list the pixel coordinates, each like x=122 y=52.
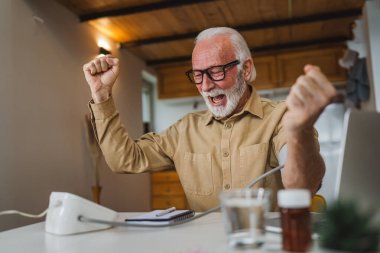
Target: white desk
x=205 y=235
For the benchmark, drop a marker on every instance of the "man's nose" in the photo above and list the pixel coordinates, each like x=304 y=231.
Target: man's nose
x=207 y=84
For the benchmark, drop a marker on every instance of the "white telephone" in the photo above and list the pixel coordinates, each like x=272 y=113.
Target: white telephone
x=64 y=210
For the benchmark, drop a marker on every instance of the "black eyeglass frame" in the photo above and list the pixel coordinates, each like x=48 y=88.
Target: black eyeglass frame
x=206 y=71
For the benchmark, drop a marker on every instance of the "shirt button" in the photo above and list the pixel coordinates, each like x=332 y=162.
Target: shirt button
x=226 y=154
x=228 y=125
x=227 y=186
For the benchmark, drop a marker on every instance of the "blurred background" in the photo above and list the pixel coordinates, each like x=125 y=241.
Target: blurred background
x=44 y=141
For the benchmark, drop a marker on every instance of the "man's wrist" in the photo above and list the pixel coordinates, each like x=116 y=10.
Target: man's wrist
x=100 y=97
x=300 y=133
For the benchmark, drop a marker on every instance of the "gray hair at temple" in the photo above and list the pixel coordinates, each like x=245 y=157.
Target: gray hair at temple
x=241 y=48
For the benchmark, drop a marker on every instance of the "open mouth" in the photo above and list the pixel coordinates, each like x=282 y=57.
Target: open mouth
x=218 y=100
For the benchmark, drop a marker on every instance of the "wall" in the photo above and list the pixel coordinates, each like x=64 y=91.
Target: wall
x=168 y=111
x=43 y=99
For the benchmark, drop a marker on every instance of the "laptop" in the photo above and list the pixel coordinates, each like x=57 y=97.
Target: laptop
x=358 y=175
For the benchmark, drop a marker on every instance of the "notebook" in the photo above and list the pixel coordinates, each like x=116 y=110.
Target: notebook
x=151 y=218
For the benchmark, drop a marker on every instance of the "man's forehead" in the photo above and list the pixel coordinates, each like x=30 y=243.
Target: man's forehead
x=211 y=52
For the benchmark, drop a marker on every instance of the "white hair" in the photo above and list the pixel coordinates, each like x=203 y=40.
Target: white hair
x=238 y=42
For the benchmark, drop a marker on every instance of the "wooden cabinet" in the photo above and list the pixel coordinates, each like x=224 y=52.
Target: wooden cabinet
x=290 y=65
x=167 y=191
x=266 y=72
x=173 y=82
x=273 y=71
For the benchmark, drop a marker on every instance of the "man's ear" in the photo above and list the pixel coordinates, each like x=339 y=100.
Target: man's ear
x=247 y=69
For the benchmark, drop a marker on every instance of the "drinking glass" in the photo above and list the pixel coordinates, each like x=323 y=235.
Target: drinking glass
x=243 y=215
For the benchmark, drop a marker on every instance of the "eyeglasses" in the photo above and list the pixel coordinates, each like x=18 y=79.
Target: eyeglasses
x=215 y=73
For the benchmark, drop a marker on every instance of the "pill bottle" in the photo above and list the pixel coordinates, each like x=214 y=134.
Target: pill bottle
x=295 y=219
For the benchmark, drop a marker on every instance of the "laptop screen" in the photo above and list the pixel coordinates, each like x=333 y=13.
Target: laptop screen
x=358 y=176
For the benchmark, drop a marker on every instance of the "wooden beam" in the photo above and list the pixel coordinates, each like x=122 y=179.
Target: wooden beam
x=139 y=9
x=262 y=49
x=252 y=26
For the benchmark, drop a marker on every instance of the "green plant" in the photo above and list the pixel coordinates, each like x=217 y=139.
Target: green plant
x=348 y=228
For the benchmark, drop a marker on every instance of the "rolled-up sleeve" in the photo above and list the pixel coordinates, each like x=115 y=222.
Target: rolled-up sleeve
x=124 y=154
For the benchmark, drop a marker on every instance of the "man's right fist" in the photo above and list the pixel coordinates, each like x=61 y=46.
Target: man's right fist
x=101 y=74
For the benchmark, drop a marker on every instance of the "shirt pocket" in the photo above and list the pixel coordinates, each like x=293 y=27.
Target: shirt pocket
x=197 y=173
x=253 y=162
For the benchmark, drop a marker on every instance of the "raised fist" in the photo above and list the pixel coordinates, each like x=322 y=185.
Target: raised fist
x=101 y=74
x=308 y=97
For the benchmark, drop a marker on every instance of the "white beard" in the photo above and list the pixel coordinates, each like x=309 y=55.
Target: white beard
x=232 y=94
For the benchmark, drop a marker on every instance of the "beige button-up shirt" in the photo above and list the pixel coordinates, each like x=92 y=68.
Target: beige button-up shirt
x=210 y=155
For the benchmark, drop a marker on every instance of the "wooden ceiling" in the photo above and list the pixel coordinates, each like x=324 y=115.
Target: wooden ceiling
x=160 y=31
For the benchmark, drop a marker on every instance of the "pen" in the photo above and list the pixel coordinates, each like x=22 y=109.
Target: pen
x=166 y=211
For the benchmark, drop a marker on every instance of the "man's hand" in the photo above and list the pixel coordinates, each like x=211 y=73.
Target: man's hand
x=101 y=74
x=308 y=97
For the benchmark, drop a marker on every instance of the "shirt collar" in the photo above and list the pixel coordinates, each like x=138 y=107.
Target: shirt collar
x=253 y=106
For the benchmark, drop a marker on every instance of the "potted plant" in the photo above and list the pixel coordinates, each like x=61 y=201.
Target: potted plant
x=348 y=228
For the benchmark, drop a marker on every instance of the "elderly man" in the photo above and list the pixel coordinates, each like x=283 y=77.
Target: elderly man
x=239 y=138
